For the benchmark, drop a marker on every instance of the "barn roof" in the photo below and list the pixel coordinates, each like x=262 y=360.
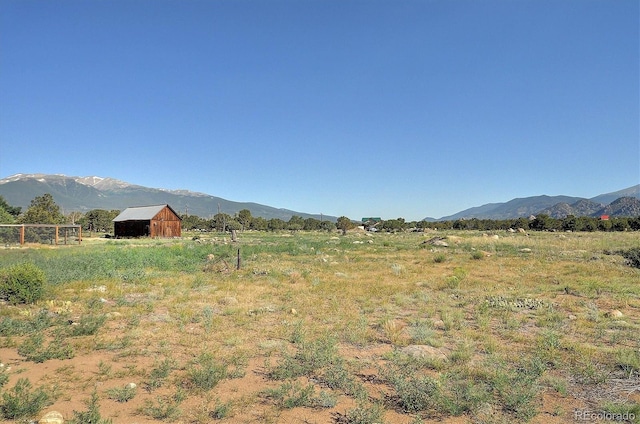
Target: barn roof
x=141 y=213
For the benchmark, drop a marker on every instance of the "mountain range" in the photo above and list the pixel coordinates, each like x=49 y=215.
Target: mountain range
x=624 y=202
x=86 y=193
x=83 y=194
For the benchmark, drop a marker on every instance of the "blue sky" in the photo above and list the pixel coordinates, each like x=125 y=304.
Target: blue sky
x=397 y=108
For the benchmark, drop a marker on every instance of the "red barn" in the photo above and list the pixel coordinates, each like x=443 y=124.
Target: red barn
x=604 y=218
x=147 y=221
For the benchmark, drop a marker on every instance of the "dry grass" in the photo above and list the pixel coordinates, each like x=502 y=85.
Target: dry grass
x=528 y=329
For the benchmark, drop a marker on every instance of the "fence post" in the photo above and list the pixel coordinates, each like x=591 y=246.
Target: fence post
x=22 y=235
x=238 y=266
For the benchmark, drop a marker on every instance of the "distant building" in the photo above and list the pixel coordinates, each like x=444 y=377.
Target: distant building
x=604 y=217
x=147 y=221
x=370 y=224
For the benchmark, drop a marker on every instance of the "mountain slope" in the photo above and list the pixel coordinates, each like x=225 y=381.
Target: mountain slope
x=86 y=193
x=554 y=206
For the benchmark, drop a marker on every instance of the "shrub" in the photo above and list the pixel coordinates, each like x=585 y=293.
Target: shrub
x=91 y=415
x=291 y=395
x=122 y=394
x=22 y=283
x=632 y=256
x=33 y=349
x=22 y=402
x=207 y=373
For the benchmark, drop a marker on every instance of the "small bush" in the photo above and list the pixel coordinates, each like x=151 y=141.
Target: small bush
x=632 y=256
x=164 y=408
x=439 y=258
x=159 y=374
x=291 y=395
x=33 y=349
x=22 y=283
x=207 y=373
x=91 y=415
x=87 y=325
x=122 y=394
x=22 y=402
x=364 y=414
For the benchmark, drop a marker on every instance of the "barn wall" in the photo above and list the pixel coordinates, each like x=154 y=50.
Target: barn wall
x=166 y=224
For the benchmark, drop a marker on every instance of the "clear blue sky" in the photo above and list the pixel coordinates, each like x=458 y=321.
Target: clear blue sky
x=387 y=108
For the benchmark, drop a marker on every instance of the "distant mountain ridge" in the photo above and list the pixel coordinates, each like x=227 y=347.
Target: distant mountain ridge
x=83 y=194
x=86 y=193
x=624 y=202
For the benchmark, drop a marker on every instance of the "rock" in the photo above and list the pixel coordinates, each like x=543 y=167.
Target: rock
x=293 y=311
x=495 y=237
x=436 y=241
x=52 y=417
x=424 y=351
x=572 y=317
x=521 y=231
x=438 y=324
x=131 y=386
x=511 y=230
x=614 y=314
x=228 y=300
x=525 y=250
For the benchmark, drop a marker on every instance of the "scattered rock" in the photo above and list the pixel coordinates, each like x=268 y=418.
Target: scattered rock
x=424 y=351
x=131 y=386
x=293 y=311
x=228 y=300
x=522 y=231
x=52 y=417
x=526 y=250
x=572 y=317
x=436 y=241
x=438 y=324
x=614 y=314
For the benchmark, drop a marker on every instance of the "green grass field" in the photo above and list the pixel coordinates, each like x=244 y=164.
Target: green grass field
x=324 y=328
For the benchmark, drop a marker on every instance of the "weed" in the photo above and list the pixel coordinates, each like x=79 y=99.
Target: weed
x=159 y=374
x=413 y=392
x=165 y=408
x=477 y=255
x=461 y=393
x=311 y=355
x=291 y=395
x=365 y=413
x=206 y=373
x=122 y=394
x=422 y=332
x=33 y=349
x=91 y=415
x=88 y=325
x=220 y=410
x=621 y=411
x=104 y=370
x=22 y=402
x=439 y=258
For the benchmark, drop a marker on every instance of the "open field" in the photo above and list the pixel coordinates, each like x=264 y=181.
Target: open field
x=323 y=328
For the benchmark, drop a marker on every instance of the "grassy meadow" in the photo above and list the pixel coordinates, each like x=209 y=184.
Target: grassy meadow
x=325 y=328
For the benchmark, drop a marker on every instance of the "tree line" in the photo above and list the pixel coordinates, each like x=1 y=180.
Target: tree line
x=44 y=210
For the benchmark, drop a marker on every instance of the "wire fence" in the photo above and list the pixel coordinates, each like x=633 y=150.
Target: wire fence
x=20 y=234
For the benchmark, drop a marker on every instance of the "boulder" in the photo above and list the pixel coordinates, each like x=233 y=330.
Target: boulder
x=424 y=351
x=51 y=417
